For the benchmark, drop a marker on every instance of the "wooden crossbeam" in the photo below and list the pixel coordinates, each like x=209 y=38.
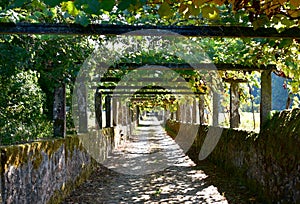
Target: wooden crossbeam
x=232 y=80
x=109 y=29
x=193 y=66
x=117 y=79
x=142 y=87
x=149 y=93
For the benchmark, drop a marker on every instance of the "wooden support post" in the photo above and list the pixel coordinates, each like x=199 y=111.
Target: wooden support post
x=234 y=105
x=201 y=110
x=266 y=96
x=108 y=111
x=98 y=110
x=59 y=112
x=216 y=100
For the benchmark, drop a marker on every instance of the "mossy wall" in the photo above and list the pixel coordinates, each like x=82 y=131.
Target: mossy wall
x=269 y=161
x=46 y=171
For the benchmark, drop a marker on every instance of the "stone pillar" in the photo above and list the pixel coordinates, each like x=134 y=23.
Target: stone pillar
x=98 y=110
x=183 y=113
x=188 y=113
x=194 y=111
x=266 y=96
x=137 y=115
x=201 y=110
x=178 y=113
x=59 y=112
x=172 y=116
x=234 y=105
x=108 y=111
x=115 y=111
x=216 y=99
x=124 y=114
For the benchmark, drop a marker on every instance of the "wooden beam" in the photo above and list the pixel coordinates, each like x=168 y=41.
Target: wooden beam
x=143 y=79
x=109 y=29
x=192 y=66
x=150 y=92
x=142 y=87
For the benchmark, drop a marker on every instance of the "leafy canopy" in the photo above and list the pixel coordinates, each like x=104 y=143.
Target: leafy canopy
x=280 y=14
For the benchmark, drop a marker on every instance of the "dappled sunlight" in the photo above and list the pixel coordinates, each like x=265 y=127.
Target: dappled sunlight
x=149 y=149
x=173 y=185
x=151 y=168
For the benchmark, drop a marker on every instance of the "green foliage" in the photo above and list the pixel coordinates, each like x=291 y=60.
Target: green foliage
x=21 y=110
x=280 y=14
x=30 y=68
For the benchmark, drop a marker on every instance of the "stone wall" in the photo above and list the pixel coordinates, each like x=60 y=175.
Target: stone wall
x=46 y=171
x=269 y=162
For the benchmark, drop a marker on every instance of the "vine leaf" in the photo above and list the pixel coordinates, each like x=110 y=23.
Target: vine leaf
x=70 y=8
x=165 y=10
x=210 y=12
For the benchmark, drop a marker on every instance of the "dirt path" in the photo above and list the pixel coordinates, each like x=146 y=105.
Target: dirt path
x=151 y=168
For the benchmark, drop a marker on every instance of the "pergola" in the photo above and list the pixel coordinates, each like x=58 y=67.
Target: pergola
x=195 y=31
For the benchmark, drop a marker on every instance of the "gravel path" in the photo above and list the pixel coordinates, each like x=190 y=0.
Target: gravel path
x=151 y=168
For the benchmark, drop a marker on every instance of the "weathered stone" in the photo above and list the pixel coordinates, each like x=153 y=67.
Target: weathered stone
x=46 y=171
x=269 y=161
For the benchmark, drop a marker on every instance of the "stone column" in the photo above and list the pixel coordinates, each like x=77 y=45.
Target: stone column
x=194 y=111
x=120 y=112
x=108 y=110
x=234 y=105
x=59 y=112
x=98 y=110
x=137 y=115
x=183 y=113
x=115 y=111
x=178 y=113
x=201 y=110
x=266 y=96
x=188 y=113
x=216 y=99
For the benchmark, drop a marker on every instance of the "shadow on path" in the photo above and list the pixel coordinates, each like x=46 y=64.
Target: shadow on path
x=151 y=168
